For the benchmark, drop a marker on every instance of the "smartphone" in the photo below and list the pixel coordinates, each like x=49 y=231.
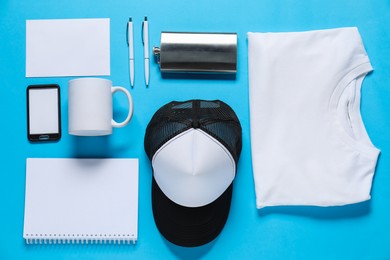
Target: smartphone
x=43 y=113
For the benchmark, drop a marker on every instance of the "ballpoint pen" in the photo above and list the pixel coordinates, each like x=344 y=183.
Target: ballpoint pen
x=130 y=43
x=145 y=40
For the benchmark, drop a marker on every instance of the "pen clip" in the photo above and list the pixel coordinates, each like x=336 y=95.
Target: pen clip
x=142 y=29
x=142 y=32
x=127 y=34
x=127 y=31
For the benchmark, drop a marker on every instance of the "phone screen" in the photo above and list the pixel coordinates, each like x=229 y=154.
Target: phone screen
x=43 y=106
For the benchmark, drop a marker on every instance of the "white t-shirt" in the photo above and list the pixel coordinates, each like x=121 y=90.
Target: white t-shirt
x=309 y=145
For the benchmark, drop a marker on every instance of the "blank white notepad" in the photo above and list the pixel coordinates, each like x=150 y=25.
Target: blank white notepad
x=81 y=201
x=67 y=47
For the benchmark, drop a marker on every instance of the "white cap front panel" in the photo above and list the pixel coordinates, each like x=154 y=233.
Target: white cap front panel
x=193 y=169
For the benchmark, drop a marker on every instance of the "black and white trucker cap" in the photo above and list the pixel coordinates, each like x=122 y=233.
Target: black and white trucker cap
x=194 y=147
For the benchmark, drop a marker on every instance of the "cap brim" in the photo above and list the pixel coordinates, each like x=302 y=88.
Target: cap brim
x=186 y=226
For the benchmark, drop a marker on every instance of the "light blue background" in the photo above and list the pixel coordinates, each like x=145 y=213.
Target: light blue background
x=351 y=232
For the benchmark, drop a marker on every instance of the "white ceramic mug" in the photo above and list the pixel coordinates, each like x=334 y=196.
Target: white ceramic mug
x=90 y=109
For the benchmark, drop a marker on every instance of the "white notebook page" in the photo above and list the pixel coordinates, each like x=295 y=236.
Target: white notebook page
x=81 y=200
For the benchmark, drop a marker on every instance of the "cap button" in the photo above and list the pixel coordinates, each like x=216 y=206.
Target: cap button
x=195 y=124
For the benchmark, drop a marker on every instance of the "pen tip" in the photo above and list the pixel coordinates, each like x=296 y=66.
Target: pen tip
x=130 y=19
x=146 y=18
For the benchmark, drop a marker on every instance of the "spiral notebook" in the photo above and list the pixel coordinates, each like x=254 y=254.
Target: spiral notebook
x=81 y=201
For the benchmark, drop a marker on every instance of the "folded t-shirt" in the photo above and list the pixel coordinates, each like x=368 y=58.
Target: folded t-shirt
x=309 y=144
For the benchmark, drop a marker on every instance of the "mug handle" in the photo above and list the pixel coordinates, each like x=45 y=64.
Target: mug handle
x=130 y=113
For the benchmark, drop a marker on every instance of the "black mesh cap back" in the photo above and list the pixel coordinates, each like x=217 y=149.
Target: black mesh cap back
x=213 y=117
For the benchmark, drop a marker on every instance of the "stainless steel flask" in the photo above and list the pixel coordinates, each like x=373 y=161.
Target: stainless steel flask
x=197 y=52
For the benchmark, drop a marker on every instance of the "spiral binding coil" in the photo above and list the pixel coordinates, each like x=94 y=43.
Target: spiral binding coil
x=49 y=241
x=80 y=239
